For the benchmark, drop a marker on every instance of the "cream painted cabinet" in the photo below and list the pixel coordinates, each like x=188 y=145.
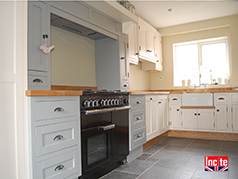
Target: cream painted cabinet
x=162 y=113
x=133 y=44
x=174 y=110
x=221 y=101
x=202 y=119
x=234 y=111
x=152 y=124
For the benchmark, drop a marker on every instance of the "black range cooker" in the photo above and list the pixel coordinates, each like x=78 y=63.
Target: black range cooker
x=104 y=131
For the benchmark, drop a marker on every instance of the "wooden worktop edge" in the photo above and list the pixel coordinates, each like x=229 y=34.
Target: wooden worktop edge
x=52 y=93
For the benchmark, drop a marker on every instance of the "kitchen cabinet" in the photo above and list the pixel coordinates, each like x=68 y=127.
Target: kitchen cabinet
x=152 y=123
x=202 y=119
x=112 y=64
x=174 y=110
x=38 y=62
x=150 y=47
x=234 y=111
x=133 y=44
x=162 y=113
x=221 y=101
x=55 y=147
x=137 y=132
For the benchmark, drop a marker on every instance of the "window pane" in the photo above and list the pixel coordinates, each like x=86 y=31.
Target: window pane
x=186 y=64
x=214 y=58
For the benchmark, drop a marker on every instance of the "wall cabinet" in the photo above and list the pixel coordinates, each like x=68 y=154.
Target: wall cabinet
x=202 y=119
x=55 y=147
x=38 y=62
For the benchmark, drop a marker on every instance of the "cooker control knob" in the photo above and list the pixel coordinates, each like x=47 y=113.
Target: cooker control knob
x=85 y=103
x=95 y=102
x=102 y=102
x=109 y=102
x=117 y=102
x=105 y=102
x=112 y=102
x=90 y=104
x=126 y=101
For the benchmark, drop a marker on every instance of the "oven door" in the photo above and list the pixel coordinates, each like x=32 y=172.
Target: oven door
x=96 y=145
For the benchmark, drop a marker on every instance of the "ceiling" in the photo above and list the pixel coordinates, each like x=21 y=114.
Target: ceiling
x=156 y=12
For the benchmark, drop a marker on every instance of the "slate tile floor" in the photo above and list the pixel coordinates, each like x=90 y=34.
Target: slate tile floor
x=179 y=158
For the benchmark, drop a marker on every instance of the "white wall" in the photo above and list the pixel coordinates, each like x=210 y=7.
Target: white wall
x=72 y=60
x=13 y=83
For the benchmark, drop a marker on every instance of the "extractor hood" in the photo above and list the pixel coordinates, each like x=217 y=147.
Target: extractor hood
x=73 y=27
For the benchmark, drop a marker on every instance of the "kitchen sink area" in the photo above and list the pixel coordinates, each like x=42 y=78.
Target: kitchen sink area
x=197 y=99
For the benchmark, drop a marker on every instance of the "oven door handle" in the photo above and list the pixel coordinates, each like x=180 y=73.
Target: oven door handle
x=108 y=127
x=96 y=111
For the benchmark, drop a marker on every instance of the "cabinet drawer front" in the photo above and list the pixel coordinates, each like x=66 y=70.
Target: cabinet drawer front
x=138 y=138
x=220 y=98
x=58 y=167
x=234 y=97
x=175 y=99
x=56 y=137
x=50 y=109
x=125 y=85
x=37 y=81
x=137 y=102
x=138 y=119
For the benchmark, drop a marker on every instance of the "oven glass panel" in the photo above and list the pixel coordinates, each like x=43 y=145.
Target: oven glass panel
x=97 y=148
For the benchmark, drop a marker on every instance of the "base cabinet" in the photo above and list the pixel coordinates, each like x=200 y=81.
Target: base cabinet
x=55 y=147
x=202 y=119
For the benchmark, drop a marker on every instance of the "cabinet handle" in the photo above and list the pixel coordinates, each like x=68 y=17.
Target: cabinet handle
x=149 y=50
x=125 y=85
x=58 y=109
x=59 y=167
x=217 y=110
x=138 y=136
x=195 y=114
x=137 y=53
x=122 y=58
x=138 y=118
x=198 y=114
x=174 y=99
x=37 y=80
x=151 y=98
x=138 y=102
x=159 y=102
x=177 y=109
x=58 y=137
x=221 y=98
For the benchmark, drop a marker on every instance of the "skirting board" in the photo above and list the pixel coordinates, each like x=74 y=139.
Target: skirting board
x=203 y=135
x=192 y=134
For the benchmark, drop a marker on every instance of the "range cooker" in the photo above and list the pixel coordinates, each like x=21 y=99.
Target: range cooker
x=104 y=131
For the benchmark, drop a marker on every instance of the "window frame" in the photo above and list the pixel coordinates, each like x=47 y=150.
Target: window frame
x=200 y=43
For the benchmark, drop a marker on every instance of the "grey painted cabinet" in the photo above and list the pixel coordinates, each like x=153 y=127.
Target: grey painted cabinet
x=38 y=62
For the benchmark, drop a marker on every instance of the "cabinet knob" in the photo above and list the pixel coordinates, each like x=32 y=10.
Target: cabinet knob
x=159 y=102
x=198 y=114
x=151 y=99
x=137 y=53
x=149 y=50
x=122 y=58
x=195 y=114
x=217 y=110
x=138 y=118
x=59 y=167
x=138 y=102
x=138 y=136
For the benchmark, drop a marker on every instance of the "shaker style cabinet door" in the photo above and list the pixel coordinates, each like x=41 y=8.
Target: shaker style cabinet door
x=222 y=117
x=38 y=25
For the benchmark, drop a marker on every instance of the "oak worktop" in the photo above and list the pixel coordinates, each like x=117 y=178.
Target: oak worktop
x=53 y=93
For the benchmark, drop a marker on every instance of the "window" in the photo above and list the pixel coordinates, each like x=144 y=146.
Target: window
x=203 y=61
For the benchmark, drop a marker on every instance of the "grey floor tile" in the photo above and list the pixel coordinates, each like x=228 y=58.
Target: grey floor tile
x=119 y=175
x=143 y=157
x=136 y=166
x=153 y=149
x=156 y=172
x=171 y=163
